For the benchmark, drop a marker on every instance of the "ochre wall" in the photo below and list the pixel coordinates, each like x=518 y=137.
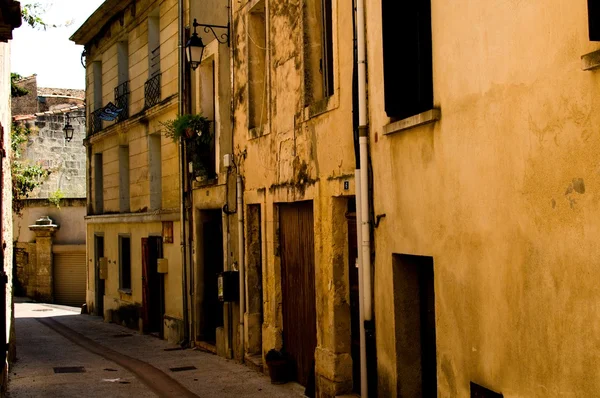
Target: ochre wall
x=502 y=192
x=301 y=153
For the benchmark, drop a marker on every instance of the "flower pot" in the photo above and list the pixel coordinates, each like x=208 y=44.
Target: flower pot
x=278 y=371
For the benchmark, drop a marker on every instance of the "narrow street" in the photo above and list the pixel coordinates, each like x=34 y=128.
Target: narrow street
x=118 y=362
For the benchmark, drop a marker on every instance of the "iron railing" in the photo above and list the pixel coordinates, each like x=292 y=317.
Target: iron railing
x=95 y=122
x=152 y=91
x=122 y=100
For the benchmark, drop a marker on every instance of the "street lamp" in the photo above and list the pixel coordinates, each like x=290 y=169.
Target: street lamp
x=195 y=47
x=68 y=129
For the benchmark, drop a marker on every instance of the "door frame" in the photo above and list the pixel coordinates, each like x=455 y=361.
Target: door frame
x=99 y=284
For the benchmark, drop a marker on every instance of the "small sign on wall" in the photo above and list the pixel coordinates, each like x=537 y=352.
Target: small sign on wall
x=167 y=231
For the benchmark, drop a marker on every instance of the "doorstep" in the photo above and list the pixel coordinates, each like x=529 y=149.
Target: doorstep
x=254 y=362
x=208 y=347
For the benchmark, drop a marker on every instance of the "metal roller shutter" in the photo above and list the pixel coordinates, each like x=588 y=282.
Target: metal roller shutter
x=69 y=278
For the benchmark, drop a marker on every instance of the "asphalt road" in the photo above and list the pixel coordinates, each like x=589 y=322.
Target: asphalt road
x=63 y=354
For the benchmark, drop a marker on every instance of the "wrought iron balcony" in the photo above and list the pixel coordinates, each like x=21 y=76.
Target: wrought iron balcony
x=152 y=91
x=122 y=100
x=95 y=123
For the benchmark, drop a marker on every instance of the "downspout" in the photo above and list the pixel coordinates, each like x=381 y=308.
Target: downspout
x=183 y=175
x=241 y=265
x=362 y=194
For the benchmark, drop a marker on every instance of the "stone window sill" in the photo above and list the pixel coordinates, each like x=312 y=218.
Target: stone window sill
x=320 y=107
x=125 y=291
x=427 y=117
x=257 y=132
x=590 y=61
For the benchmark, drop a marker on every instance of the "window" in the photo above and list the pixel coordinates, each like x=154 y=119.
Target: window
x=124 y=262
x=98 y=184
x=407 y=57
x=97 y=76
x=318 y=50
x=122 y=89
x=257 y=51
x=153 y=43
x=414 y=318
x=124 y=179
x=155 y=161
x=594 y=19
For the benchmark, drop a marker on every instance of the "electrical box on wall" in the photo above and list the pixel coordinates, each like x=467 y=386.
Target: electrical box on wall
x=227 y=160
x=162 y=266
x=228 y=286
x=103 y=267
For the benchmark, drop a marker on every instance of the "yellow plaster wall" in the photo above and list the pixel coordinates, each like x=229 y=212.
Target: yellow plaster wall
x=502 y=192
x=171 y=251
x=302 y=153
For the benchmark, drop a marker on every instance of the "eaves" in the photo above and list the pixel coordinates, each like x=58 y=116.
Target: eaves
x=96 y=22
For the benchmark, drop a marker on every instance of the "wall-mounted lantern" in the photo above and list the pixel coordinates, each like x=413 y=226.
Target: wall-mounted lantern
x=68 y=129
x=194 y=48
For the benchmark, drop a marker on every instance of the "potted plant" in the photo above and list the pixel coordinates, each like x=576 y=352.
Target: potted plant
x=189 y=127
x=197 y=134
x=278 y=365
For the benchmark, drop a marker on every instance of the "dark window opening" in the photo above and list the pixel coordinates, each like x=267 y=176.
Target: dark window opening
x=318 y=50
x=125 y=262
x=407 y=57
x=594 y=19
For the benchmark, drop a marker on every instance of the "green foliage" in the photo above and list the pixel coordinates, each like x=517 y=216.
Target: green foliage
x=55 y=197
x=26 y=176
x=191 y=127
x=31 y=16
x=16 y=91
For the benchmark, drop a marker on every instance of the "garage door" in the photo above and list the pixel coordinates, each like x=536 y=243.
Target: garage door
x=69 y=279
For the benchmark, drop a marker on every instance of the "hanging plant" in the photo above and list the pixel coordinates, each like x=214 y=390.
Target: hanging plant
x=190 y=127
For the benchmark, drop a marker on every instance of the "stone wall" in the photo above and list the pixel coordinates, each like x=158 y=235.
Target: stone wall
x=28 y=103
x=66 y=160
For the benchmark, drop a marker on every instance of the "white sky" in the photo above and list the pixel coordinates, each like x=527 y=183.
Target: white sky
x=50 y=54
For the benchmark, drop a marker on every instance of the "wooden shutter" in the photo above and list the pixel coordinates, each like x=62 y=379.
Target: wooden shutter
x=407 y=60
x=594 y=19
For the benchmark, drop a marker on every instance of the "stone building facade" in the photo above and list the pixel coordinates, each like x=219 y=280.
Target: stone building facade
x=294 y=144
x=52 y=267
x=133 y=210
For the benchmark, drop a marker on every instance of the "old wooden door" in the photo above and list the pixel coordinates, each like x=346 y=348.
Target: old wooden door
x=296 y=237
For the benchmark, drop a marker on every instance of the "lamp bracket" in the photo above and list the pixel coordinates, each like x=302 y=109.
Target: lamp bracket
x=222 y=38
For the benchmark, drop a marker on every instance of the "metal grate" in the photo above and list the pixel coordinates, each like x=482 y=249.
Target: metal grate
x=122 y=100
x=182 y=368
x=152 y=91
x=95 y=122
x=69 y=369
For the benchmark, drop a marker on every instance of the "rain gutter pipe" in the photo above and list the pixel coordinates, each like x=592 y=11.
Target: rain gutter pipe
x=182 y=172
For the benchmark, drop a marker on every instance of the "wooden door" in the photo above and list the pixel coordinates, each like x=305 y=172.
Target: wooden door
x=145 y=286
x=354 y=297
x=99 y=253
x=296 y=237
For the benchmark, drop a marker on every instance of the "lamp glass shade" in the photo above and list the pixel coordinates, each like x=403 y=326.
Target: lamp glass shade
x=194 y=50
x=69 y=130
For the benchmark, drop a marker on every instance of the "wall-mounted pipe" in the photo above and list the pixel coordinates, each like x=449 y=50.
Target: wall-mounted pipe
x=241 y=265
x=183 y=173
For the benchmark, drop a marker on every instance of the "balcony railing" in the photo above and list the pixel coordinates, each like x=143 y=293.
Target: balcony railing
x=152 y=91
x=122 y=100
x=95 y=122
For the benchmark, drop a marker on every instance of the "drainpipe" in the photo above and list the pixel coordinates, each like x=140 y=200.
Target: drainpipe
x=364 y=385
x=183 y=175
x=362 y=193
x=241 y=265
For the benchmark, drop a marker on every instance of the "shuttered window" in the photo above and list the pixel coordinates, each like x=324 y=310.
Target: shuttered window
x=407 y=59
x=594 y=19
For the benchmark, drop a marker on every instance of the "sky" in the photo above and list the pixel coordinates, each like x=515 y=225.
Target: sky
x=50 y=54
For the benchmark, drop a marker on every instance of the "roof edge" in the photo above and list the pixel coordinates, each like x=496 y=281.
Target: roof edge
x=95 y=22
